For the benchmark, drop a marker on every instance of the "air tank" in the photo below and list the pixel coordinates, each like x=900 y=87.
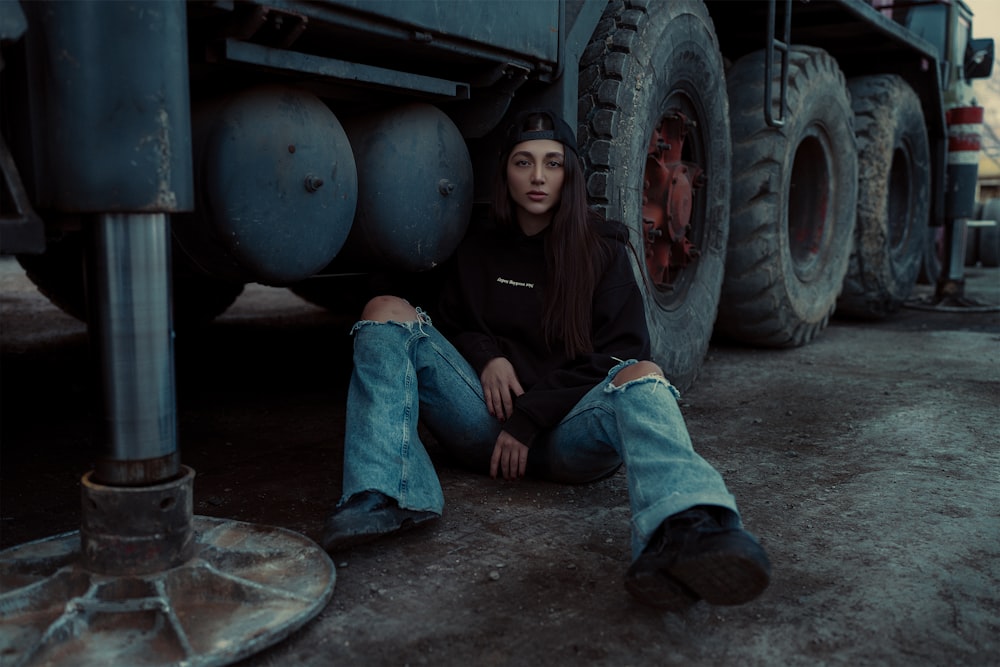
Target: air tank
x=414 y=188
x=276 y=186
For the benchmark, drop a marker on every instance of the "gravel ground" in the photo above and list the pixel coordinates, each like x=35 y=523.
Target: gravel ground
x=867 y=462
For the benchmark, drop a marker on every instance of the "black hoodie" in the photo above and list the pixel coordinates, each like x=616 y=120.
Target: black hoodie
x=492 y=307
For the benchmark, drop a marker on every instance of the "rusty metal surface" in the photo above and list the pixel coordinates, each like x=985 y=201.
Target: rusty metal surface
x=247 y=587
x=136 y=530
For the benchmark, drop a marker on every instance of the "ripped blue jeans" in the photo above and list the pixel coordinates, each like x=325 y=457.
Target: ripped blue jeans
x=405 y=372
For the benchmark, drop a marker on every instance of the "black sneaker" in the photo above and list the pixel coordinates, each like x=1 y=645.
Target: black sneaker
x=366 y=516
x=699 y=554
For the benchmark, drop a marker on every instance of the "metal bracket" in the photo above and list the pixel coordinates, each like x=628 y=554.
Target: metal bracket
x=781 y=45
x=354 y=74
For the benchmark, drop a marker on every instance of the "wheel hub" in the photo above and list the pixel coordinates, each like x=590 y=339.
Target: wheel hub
x=668 y=192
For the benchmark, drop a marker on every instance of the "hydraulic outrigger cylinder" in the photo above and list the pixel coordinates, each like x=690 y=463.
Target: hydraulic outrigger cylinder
x=964 y=143
x=965 y=126
x=144 y=581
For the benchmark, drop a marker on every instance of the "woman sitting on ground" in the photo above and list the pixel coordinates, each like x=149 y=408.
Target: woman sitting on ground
x=540 y=367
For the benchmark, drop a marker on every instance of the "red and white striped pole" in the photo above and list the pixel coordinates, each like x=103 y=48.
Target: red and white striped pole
x=965 y=127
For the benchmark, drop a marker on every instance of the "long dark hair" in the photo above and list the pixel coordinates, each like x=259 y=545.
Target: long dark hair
x=574 y=250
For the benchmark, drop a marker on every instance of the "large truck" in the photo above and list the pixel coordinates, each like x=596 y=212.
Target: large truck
x=774 y=161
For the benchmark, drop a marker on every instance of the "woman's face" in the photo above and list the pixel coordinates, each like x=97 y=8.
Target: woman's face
x=535 y=177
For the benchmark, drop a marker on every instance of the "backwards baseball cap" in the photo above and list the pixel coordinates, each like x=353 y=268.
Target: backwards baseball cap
x=560 y=131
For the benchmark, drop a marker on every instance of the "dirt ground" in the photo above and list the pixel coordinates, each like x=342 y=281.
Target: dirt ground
x=867 y=462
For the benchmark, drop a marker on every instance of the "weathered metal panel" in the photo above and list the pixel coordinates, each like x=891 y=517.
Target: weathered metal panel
x=109 y=91
x=528 y=28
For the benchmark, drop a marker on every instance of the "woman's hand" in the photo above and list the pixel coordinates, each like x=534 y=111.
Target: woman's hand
x=510 y=457
x=500 y=386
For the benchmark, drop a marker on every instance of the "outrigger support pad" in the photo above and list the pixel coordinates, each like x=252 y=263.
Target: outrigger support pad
x=244 y=588
x=144 y=581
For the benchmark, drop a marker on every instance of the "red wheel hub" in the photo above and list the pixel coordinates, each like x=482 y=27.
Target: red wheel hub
x=668 y=188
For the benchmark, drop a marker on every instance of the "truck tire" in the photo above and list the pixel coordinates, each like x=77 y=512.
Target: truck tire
x=893 y=196
x=794 y=200
x=989 y=237
x=58 y=273
x=653 y=110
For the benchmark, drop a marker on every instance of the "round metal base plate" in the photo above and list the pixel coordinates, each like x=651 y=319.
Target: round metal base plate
x=246 y=588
